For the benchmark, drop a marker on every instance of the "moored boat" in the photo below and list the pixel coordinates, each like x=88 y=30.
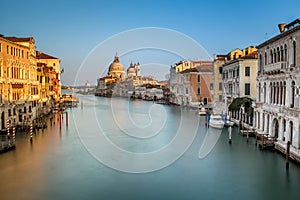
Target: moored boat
x=216 y=121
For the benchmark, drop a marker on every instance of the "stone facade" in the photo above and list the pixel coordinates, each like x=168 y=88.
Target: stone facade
x=20 y=87
x=277 y=111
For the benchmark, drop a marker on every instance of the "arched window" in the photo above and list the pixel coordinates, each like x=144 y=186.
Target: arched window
x=281 y=93
x=278 y=54
x=278 y=92
x=281 y=53
x=293 y=94
x=294 y=53
x=285 y=52
x=259 y=92
x=260 y=63
x=198 y=91
x=266 y=58
x=271 y=93
x=275 y=56
x=271 y=53
x=265 y=92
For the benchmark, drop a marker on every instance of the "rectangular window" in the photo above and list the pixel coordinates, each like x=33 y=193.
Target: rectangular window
x=7 y=49
x=0 y=47
x=247 y=88
x=237 y=72
x=198 y=78
x=220 y=86
x=186 y=91
x=220 y=70
x=247 y=71
x=53 y=64
x=220 y=98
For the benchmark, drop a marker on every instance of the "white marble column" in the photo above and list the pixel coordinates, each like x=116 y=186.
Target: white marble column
x=269 y=124
x=280 y=131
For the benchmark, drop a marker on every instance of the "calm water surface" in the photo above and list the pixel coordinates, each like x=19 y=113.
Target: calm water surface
x=60 y=164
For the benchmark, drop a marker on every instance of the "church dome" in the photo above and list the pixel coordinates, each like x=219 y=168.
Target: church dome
x=116 y=65
x=131 y=69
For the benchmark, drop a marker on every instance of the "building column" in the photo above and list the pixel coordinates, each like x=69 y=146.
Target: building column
x=297 y=133
x=257 y=120
x=269 y=124
x=266 y=123
x=287 y=95
x=280 y=131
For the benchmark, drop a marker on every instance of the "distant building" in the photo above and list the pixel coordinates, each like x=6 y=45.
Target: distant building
x=277 y=111
x=191 y=86
x=117 y=83
x=106 y=84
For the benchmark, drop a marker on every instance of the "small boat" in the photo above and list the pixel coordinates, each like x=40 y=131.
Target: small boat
x=201 y=109
x=216 y=121
x=69 y=100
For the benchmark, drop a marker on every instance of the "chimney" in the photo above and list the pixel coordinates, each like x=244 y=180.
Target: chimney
x=281 y=27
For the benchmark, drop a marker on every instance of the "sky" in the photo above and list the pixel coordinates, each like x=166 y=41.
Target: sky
x=86 y=34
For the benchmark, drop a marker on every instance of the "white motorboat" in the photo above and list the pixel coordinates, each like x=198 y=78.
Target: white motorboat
x=201 y=109
x=216 y=121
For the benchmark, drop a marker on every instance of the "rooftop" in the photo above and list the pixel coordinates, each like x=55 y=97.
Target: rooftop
x=41 y=55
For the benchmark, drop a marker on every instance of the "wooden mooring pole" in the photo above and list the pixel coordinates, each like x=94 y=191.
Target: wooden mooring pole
x=229 y=134
x=287 y=157
x=67 y=119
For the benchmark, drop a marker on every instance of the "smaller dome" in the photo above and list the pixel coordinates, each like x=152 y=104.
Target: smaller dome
x=131 y=71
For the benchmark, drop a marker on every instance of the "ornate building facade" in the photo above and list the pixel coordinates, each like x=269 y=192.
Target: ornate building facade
x=277 y=111
x=117 y=83
x=20 y=87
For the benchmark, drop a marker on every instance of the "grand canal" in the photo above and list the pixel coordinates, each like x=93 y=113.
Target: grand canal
x=78 y=161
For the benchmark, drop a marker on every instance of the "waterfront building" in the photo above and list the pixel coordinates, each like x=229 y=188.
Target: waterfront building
x=116 y=73
x=239 y=73
x=235 y=77
x=191 y=86
x=277 y=110
x=117 y=83
x=217 y=92
x=19 y=85
x=49 y=69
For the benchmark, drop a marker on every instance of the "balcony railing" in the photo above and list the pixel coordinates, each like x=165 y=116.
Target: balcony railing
x=279 y=66
x=273 y=108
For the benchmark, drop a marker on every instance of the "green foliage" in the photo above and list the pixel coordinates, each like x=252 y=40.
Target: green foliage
x=238 y=102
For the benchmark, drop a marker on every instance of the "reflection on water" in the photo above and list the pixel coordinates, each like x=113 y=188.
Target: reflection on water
x=57 y=165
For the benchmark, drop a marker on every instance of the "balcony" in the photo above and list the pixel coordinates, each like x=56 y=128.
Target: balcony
x=279 y=66
x=273 y=108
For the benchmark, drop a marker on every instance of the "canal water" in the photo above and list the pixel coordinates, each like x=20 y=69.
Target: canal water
x=114 y=148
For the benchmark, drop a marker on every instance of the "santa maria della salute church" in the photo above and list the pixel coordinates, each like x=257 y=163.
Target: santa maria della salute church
x=119 y=83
